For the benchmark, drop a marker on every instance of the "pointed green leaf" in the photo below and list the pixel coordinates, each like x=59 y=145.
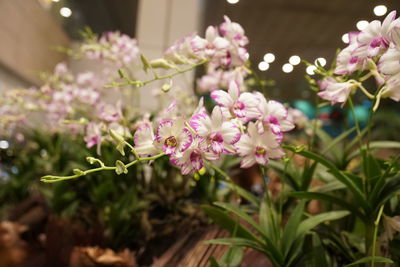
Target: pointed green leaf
x=328 y=198
x=369 y=259
x=340 y=175
x=242 y=192
x=375 y=145
x=233 y=257
x=224 y=220
x=238 y=212
x=313 y=221
x=291 y=228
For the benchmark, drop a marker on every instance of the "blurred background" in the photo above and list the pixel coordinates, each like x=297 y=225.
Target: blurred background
x=281 y=33
x=146 y=215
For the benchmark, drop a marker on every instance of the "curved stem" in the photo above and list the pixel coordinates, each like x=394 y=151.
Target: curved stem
x=53 y=179
x=376 y=225
x=155 y=78
x=355 y=121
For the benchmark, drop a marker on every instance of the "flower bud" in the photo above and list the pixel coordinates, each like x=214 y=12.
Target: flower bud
x=120 y=167
x=162 y=64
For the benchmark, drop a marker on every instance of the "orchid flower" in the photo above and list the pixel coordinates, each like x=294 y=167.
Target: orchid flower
x=219 y=133
x=273 y=116
x=257 y=147
x=346 y=61
x=392 y=88
x=211 y=45
x=375 y=38
x=144 y=140
x=336 y=92
x=172 y=137
x=190 y=159
x=236 y=104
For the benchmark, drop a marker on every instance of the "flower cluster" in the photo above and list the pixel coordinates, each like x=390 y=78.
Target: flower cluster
x=243 y=124
x=223 y=46
x=113 y=47
x=376 y=49
x=78 y=103
x=224 y=49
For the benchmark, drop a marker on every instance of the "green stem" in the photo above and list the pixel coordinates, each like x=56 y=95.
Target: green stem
x=227 y=177
x=359 y=136
x=156 y=77
x=53 y=179
x=376 y=226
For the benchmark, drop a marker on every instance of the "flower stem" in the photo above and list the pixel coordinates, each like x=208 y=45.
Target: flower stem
x=53 y=179
x=365 y=91
x=156 y=77
x=376 y=225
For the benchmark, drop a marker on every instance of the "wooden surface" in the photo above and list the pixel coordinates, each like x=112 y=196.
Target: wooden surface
x=28 y=34
x=190 y=251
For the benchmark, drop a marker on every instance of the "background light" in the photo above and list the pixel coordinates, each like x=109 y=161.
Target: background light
x=380 y=10
x=310 y=70
x=4 y=144
x=232 y=1
x=321 y=61
x=362 y=24
x=56 y=1
x=345 y=38
x=287 y=68
x=294 y=60
x=269 y=57
x=65 y=12
x=263 y=66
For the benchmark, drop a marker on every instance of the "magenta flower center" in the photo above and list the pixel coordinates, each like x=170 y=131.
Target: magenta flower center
x=353 y=60
x=238 y=105
x=216 y=137
x=273 y=120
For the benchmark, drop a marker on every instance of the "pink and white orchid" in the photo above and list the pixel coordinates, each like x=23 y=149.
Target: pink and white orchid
x=236 y=104
x=144 y=140
x=219 y=133
x=173 y=137
x=392 y=88
x=336 y=92
x=273 y=116
x=257 y=147
x=211 y=45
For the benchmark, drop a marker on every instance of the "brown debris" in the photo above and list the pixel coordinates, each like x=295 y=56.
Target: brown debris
x=95 y=256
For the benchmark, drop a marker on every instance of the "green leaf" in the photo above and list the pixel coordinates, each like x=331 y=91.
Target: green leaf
x=340 y=175
x=224 y=220
x=287 y=176
x=291 y=228
x=270 y=223
x=334 y=142
x=331 y=186
x=242 y=192
x=307 y=176
x=328 y=198
x=213 y=262
x=238 y=212
x=386 y=192
x=313 y=221
x=378 y=185
x=233 y=257
x=369 y=259
x=235 y=241
x=375 y=145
